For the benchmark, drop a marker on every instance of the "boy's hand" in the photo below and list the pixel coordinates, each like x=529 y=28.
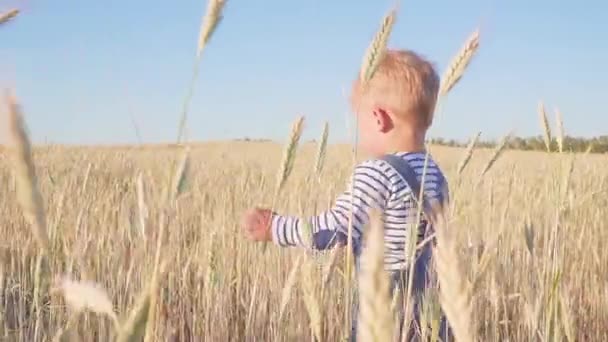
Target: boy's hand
x=256 y=222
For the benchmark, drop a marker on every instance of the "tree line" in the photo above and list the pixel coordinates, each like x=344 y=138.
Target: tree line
x=537 y=143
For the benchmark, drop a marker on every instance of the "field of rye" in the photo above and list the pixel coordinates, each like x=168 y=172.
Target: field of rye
x=143 y=242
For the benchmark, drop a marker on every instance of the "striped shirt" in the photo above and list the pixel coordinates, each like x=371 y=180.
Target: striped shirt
x=375 y=184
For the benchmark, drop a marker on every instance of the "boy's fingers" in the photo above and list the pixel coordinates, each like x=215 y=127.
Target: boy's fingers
x=250 y=234
x=263 y=220
x=250 y=231
x=256 y=222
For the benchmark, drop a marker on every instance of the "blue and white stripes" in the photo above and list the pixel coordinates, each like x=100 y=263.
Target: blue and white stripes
x=375 y=184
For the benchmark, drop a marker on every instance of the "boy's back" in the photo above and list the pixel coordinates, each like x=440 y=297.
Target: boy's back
x=401 y=210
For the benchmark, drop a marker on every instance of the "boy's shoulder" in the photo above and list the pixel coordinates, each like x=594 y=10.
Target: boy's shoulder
x=413 y=159
x=375 y=170
x=373 y=166
x=386 y=166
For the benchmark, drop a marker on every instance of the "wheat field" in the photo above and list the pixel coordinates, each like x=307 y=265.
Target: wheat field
x=144 y=242
x=529 y=236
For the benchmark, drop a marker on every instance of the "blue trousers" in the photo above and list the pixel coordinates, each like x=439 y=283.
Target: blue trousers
x=422 y=281
x=399 y=283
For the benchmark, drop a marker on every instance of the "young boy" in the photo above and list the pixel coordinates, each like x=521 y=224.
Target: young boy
x=395 y=109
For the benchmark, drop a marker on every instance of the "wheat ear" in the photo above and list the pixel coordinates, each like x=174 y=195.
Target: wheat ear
x=377 y=48
x=321 y=151
x=375 y=318
x=560 y=130
x=180 y=178
x=311 y=300
x=86 y=295
x=209 y=24
x=497 y=153
x=210 y=21
x=30 y=200
x=542 y=114
x=289 y=157
x=453 y=293
x=468 y=153
x=289 y=285
x=28 y=194
x=459 y=64
x=9 y=15
x=289 y=154
x=141 y=205
x=371 y=59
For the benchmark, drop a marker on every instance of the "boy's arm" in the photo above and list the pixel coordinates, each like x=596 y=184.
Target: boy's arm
x=371 y=188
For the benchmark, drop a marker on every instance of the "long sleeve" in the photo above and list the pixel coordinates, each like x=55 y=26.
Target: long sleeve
x=371 y=188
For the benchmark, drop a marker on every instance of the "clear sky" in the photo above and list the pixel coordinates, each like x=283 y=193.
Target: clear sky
x=84 y=70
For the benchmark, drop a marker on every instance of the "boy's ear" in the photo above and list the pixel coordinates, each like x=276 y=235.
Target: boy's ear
x=384 y=122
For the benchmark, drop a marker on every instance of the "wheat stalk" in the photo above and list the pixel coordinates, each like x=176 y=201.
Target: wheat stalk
x=560 y=130
x=545 y=126
x=377 y=48
x=311 y=302
x=328 y=270
x=459 y=64
x=63 y=333
x=375 y=321
x=134 y=327
x=321 y=151
x=453 y=293
x=28 y=194
x=320 y=159
x=567 y=320
x=289 y=285
x=85 y=182
x=9 y=15
x=209 y=24
x=468 y=153
x=180 y=178
x=141 y=205
x=175 y=188
x=289 y=154
x=139 y=323
x=210 y=272
x=497 y=153
x=371 y=59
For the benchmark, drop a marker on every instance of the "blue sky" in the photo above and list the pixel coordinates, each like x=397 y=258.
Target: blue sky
x=84 y=69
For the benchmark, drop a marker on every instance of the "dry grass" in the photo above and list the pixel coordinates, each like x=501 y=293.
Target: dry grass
x=518 y=295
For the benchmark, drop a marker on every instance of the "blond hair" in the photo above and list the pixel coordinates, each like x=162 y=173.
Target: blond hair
x=404 y=84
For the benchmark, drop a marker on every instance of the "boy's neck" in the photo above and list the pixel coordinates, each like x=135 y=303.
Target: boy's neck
x=406 y=141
